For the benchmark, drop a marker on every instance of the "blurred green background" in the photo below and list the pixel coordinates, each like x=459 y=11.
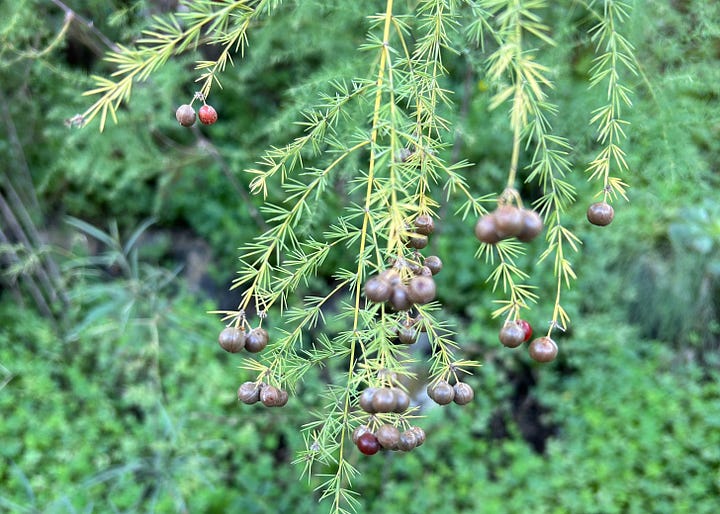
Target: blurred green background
x=114 y=396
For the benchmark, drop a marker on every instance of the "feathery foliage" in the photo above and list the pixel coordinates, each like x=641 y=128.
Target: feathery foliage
x=383 y=138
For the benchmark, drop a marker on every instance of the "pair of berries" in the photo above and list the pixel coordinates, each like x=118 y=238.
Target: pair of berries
x=424 y=225
x=600 y=214
x=388 y=437
x=514 y=333
x=375 y=400
x=508 y=221
x=442 y=393
x=234 y=339
x=185 y=114
x=270 y=396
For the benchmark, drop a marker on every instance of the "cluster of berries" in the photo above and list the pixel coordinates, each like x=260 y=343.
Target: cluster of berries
x=185 y=114
x=234 y=339
x=508 y=221
x=270 y=396
x=375 y=400
x=390 y=285
x=600 y=214
x=515 y=333
x=387 y=436
x=442 y=393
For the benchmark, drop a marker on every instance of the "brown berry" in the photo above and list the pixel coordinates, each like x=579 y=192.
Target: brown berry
x=423 y=271
x=232 y=339
x=256 y=340
x=464 y=394
x=185 y=115
x=360 y=430
x=421 y=289
x=378 y=290
x=249 y=393
x=408 y=441
x=441 y=392
x=270 y=396
x=400 y=299
x=543 y=349
x=600 y=214
x=407 y=335
x=384 y=400
x=532 y=225
x=207 y=115
x=512 y=334
x=424 y=224
x=366 y=399
x=283 y=398
x=417 y=241
x=508 y=221
x=391 y=276
x=485 y=230
x=419 y=435
x=388 y=436
x=434 y=263
x=402 y=400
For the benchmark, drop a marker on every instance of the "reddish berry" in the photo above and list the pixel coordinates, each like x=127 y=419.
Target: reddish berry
x=207 y=115
x=368 y=444
x=526 y=328
x=185 y=115
x=543 y=349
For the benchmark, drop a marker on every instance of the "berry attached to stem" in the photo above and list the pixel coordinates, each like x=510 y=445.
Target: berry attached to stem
x=600 y=214
x=543 y=349
x=232 y=339
x=441 y=392
x=207 y=114
x=526 y=327
x=185 y=115
x=512 y=334
x=368 y=444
